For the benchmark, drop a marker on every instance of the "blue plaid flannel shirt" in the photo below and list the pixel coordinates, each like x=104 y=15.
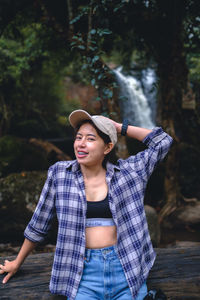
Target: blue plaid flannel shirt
x=64 y=195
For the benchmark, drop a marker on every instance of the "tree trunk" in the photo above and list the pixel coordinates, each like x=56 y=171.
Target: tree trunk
x=173 y=75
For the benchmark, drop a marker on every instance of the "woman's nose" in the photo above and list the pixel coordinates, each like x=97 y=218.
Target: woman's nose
x=82 y=142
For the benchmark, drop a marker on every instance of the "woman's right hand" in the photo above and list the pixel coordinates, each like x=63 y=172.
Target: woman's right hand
x=9 y=267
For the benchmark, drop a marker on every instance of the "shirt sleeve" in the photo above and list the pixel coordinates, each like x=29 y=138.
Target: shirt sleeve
x=40 y=222
x=144 y=162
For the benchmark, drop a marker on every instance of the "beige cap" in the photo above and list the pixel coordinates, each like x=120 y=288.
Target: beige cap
x=102 y=123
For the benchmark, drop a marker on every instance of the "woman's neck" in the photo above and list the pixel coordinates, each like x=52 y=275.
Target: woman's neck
x=91 y=172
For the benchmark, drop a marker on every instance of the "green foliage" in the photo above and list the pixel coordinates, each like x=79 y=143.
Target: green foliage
x=102 y=29
x=17 y=156
x=31 y=85
x=194 y=67
x=90 y=46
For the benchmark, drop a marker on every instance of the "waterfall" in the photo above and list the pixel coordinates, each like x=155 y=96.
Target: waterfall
x=134 y=104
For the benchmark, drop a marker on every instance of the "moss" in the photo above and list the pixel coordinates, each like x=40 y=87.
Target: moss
x=17 y=155
x=19 y=194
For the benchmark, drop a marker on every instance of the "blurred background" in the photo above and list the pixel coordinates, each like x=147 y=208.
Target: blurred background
x=136 y=59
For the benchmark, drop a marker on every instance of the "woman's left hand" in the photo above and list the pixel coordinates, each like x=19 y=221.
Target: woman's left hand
x=117 y=126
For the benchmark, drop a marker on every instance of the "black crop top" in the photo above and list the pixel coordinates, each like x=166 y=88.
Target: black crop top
x=98 y=209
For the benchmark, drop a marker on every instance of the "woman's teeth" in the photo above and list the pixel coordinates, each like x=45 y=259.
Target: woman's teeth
x=82 y=153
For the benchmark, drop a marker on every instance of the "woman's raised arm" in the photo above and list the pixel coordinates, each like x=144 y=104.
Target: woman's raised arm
x=135 y=132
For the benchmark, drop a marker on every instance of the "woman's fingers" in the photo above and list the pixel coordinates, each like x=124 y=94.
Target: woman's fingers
x=7 y=277
x=8 y=267
x=6 y=261
x=2 y=269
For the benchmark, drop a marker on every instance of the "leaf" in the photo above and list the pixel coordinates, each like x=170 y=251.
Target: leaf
x=93 y=81
x=95 y=58
x=84 y=66
x=97 y=99
x=81 y=47
x=92 y=48
x=89 y=59
x=108 y=93
x=93 y=31
x=106 y=31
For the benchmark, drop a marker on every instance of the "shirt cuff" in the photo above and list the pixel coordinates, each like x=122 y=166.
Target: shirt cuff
x=155 y=137
x=33 y=235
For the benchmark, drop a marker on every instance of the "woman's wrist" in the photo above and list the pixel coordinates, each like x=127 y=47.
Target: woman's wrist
x=124 y=127
x=119 y=127
x=18 y=262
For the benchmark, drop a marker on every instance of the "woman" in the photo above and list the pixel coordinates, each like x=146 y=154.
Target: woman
x=103 y=248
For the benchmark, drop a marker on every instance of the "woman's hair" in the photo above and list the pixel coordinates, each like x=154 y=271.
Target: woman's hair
x=111 y=156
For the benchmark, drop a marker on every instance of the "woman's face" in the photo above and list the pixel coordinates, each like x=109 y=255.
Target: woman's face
x=89 y=147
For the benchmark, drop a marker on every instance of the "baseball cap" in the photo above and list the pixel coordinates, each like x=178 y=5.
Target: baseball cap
x=102 y=123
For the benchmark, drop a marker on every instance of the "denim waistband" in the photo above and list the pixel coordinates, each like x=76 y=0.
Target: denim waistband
x=106 y=253
x=92 y=222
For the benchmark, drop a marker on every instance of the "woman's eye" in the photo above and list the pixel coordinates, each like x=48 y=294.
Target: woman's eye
x=77 y=138
x=91 y=139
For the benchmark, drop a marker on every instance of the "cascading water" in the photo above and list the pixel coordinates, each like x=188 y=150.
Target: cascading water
x=134 y=103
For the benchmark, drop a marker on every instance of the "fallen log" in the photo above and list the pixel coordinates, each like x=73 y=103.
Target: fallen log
x=176 y=271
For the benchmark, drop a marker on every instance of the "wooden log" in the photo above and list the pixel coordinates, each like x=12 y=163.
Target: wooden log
x=176 y=271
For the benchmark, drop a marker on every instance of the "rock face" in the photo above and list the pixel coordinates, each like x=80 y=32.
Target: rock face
x=19 y=194
x=154 y=227
x=188 y=214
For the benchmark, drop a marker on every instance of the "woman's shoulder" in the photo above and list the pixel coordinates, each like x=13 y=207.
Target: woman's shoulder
x=62 y=165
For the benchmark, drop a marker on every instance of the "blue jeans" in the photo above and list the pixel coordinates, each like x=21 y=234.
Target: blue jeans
x=103 y=277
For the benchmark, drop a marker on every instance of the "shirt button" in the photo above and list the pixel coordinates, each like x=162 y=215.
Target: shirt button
x=79 y=273
x=82 y=255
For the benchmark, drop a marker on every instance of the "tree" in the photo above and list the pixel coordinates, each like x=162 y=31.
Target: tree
x=163 y=31
x=31 y=87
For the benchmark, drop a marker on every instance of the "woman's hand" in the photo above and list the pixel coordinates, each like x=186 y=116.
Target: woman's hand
x=118 y=126
x=10 y=267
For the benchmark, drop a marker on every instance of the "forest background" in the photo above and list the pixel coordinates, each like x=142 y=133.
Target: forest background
x=48 y=47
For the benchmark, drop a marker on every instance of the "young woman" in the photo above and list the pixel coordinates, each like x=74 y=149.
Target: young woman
x=103 y=248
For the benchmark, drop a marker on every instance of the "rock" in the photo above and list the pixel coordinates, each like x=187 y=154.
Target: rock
x=154 y=227
x=19 y=194
x=184 y=244
x=188 y=214
x=83 y=95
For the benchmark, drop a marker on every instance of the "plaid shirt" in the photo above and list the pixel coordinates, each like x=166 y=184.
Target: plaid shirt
x=64 y=195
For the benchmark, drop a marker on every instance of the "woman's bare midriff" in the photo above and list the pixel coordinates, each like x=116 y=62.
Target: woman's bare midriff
x=101 y=236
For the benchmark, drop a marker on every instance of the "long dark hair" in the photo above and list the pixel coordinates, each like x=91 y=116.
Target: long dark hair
x=111 y=156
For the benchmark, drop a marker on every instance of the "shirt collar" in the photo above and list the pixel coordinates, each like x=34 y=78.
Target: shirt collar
x=75 y=166
x=111 y=167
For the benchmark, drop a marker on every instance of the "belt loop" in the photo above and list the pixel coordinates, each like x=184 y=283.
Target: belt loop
x=87 y=254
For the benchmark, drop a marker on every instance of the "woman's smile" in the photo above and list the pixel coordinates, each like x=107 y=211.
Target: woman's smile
x=81 y=153
x=89 y=147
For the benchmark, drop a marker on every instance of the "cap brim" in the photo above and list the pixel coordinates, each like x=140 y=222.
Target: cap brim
x=77 y=116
